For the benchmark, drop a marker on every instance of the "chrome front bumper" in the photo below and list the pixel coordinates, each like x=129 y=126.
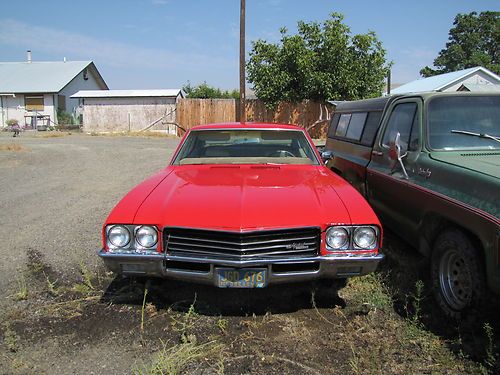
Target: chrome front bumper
x=202 y=270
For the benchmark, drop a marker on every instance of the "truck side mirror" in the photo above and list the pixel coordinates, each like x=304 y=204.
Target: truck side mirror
x=326 y=155
x=397 y=151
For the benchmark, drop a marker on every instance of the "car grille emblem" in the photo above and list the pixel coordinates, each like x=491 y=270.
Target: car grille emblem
x=297 y=246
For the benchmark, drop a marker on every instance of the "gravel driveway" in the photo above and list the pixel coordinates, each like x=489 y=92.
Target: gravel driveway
x=57 y=191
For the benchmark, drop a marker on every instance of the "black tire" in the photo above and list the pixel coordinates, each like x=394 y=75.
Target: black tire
x=457 y=273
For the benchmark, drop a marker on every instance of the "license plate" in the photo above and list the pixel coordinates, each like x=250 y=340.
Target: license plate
x=241 y=277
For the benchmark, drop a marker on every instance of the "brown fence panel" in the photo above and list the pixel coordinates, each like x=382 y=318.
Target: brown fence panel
x=192 y=112
x=309 y=115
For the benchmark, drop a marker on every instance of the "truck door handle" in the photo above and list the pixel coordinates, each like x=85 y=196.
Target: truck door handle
x=377 y=153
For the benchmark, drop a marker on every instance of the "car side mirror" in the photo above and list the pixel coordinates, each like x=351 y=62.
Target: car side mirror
x=326 y=155
x=397 y=151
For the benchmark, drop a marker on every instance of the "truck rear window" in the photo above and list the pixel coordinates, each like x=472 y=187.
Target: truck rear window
x=357 y=127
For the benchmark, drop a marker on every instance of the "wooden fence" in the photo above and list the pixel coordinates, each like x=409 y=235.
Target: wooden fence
x=310 y=115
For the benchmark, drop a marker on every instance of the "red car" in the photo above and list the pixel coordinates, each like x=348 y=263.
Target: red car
x=244 y=206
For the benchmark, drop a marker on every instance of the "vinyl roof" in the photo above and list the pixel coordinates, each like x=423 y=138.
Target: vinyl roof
x=127 y=93
x=441 y=81
x=41 y=76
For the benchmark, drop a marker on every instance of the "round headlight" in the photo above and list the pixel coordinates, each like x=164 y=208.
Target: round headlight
x=119 y=236
x=337 y=238
x=365 y=237
x=146 y=236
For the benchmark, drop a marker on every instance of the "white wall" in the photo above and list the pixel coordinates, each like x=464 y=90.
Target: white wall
x=14 y=108
x=77 y=84
x=127 y=114
x=478 y=78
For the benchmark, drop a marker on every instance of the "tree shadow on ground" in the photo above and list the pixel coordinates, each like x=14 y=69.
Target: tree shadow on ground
x=212 y=301
x=403 y=269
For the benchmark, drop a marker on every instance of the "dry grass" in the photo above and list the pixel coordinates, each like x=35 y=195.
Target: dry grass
x=186 y=358
x=13 y=147
x=147 y=134
x=53 y=135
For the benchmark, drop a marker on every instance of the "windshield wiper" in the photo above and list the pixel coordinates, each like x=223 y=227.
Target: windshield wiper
x=480 y=135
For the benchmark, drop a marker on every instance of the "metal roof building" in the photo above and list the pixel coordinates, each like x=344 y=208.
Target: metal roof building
x=129 y=110
x=450 y=81
x=32 y=92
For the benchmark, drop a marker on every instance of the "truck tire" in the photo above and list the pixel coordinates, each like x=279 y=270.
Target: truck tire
x=457 y=273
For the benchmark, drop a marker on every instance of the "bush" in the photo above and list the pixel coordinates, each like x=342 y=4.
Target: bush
x=12 y=122
x=64 y=117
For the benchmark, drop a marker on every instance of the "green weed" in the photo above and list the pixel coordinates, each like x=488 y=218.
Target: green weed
x=11 y=339
x=86 y=275
x=51 y=287
x=22 y=289
x=222 y=325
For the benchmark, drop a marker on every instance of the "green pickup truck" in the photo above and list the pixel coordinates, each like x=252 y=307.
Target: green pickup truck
x=429 y=164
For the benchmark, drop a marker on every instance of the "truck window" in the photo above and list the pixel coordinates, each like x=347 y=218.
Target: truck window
x=333 y=125
x=356 y=126
x=371 y=128
x=401 y=121
x=460 y=123
x=343 y=124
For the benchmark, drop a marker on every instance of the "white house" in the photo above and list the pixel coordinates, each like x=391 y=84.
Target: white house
x=471 y=79
x=129 y=110
x=33 y=91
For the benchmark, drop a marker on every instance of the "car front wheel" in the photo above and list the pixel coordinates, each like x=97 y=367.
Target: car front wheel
x=457 y=273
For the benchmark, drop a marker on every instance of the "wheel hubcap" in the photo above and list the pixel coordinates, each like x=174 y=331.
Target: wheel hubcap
x=455 y=280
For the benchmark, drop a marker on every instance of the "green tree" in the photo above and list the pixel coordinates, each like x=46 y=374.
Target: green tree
x=322 y=62
x=474 y=40
x=204 y=91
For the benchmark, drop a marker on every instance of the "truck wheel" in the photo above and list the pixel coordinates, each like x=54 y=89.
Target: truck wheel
x=457 y=274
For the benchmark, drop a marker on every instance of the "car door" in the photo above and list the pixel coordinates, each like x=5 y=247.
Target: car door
x=391 y=186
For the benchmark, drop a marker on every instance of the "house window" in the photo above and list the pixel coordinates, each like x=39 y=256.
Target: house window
x=33 y=102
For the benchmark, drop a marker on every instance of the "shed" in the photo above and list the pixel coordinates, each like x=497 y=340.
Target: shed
x=129 y=110
x=32 y=92
x=476 y=77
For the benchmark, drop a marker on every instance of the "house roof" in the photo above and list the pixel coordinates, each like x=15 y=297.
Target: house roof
x=441 y=81
x=128 y=93
x=42 y=76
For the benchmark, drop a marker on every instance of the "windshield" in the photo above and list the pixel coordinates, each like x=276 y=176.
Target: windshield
x=242 y=146
x=464 y=123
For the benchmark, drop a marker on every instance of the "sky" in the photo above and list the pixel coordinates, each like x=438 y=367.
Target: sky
x=162 y=44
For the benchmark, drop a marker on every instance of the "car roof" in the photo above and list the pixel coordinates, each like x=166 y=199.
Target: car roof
x=247 y=125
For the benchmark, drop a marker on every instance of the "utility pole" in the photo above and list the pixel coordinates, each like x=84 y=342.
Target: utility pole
x=243 y=116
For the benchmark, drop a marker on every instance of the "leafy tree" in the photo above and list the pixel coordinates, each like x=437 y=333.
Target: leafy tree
x=474 y=40
x=322 y=62
x=204 y=91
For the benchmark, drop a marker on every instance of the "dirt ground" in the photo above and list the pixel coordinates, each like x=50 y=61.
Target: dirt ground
x=62 y=313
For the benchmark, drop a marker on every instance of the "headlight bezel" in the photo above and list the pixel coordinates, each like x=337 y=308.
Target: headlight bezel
x=351 y=245
x=110 y=243
x=133 y=246
x=372 y=244
x=138 y=242
x=345 y=244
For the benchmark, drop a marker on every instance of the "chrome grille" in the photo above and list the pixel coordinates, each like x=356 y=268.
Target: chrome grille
x=299 y=243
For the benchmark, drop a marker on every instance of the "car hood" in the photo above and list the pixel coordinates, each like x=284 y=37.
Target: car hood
x=248 y=197
x=486 y=162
